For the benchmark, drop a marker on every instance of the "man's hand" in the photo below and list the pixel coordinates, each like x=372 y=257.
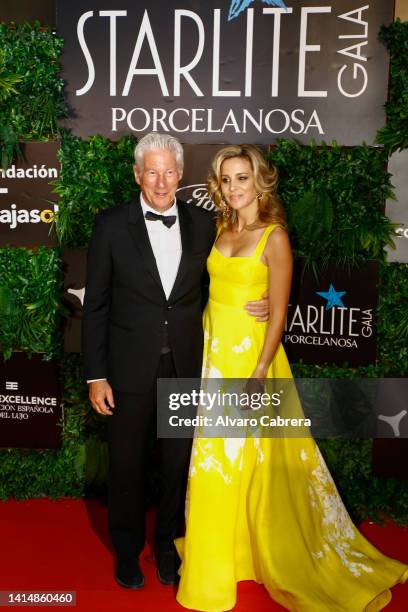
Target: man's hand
x=101 y=397
x=260 y=308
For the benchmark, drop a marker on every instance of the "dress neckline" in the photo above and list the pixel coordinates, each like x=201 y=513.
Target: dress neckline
x=243 y=256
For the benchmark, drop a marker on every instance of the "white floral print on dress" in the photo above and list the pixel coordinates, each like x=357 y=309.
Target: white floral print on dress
x=337 y=527
x=245 y=345
x=215 y=345
x=232 y=448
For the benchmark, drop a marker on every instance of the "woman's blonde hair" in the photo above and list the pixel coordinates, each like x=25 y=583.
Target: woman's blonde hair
x=270 y=209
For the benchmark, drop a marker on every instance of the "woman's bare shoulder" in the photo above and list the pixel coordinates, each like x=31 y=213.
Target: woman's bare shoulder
x=278 y=243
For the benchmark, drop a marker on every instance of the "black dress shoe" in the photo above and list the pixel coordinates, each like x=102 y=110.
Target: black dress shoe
x=128 y=574
x=167 y=566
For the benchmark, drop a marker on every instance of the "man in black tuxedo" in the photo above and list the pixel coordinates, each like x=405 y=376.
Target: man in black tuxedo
x=142 y=321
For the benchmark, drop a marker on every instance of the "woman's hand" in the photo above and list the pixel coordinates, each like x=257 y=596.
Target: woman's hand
x=255 y=385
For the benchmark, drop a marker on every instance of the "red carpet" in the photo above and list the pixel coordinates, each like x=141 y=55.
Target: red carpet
x=63 y=546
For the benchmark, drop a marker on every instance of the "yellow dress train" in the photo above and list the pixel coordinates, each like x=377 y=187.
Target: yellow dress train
x=267 y=509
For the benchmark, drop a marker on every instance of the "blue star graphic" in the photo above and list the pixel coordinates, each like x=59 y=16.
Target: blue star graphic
x=333 y=297
x=238 y=6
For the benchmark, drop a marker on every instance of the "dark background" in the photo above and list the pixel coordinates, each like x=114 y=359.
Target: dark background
x=28 y=10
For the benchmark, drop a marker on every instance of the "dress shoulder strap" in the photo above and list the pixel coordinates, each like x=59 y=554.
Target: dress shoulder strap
x=262 y=242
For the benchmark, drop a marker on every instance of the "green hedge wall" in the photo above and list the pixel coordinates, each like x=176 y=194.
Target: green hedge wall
x=30 y=300
x=32 y=53
x=334 y=197
x=95 y=174
x=335 y=201
x=394 y=135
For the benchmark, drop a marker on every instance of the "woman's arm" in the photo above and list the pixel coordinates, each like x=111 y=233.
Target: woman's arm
x=278 y=257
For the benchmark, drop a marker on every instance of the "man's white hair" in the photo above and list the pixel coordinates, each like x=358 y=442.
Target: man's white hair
x=155 y=140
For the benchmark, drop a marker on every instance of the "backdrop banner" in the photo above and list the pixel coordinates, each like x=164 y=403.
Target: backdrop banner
x=397 y=211
x=74 y=266
x=30 y=403
x=390 y=458
x=27 y=10
x=193 y=185
x=332 y=320
x=226 y=70
x=27 y=204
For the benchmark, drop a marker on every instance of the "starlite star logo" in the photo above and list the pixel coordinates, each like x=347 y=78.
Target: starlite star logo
x=333 y=297
x=238 y=6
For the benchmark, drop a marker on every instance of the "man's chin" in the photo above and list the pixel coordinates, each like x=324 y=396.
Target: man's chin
x=161 y=204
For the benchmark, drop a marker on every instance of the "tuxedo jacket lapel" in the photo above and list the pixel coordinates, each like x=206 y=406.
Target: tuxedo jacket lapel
x=186 y=234
x=137 y=228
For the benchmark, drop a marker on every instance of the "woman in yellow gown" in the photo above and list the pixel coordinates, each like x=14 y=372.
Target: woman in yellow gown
x=264 y=509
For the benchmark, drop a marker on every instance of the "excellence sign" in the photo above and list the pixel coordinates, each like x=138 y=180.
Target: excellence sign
x=30 y=403
x=226 y=70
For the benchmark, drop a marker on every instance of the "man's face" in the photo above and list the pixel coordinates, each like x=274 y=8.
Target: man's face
x=159 y=178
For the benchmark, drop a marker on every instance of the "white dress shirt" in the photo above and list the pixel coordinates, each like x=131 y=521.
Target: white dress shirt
x=166 y=247
x=165 y=243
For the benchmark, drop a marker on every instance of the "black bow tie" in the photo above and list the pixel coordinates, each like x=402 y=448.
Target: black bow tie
x=168 y=220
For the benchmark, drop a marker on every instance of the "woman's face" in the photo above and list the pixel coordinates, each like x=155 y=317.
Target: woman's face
x=238 y=183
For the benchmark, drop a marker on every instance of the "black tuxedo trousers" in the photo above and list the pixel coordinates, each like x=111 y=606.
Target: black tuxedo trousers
x=130 y=433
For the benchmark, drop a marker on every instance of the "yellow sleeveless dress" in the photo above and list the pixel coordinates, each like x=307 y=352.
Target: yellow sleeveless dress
x=267 y=509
